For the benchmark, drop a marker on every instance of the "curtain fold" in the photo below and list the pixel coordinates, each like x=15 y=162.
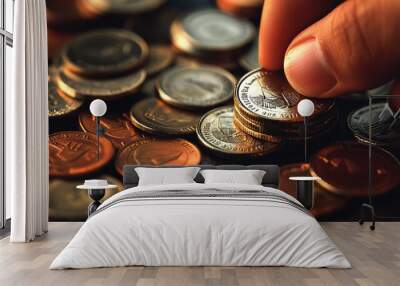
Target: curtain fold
x=27 y=123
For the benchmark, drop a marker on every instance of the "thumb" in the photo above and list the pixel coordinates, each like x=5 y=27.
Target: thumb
x=353 y=48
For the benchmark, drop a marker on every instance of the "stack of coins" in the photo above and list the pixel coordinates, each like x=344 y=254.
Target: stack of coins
x=266 y=108
x=212 y=36
x=113 y=71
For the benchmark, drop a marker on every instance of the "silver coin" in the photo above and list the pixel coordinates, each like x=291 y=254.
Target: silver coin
x=213 y=30
x=268 y=95
x=217 y=132
x=196 y=87
x=382 y=133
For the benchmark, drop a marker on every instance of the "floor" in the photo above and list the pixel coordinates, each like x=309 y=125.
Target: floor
x=375 y=257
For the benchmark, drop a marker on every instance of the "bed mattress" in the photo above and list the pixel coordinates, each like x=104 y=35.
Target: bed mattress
x=201 y=225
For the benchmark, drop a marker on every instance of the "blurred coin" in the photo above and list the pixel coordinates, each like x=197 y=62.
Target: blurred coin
x=105 y=53
x=154 y=116
x=116 y=127
x=382 y=133
x=56 y=65
x=211 y=32
x=343 y=168
x=56 y=40
x=157 y=152
x=160 y=57
x=249 y=60
x=218 y=133
x=189 y=61
x=66 y=12
x=242 y=8
x=106 y=89
x=125 y=6
x=196 y=87
x=325 y=202
x=74 y=153
x=66 y=203
x=268 y=95
x=59 y=103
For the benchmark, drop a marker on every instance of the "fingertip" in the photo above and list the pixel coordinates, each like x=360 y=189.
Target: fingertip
x=307 y=69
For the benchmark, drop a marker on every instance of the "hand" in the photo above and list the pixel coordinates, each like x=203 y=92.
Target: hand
x=329 y=47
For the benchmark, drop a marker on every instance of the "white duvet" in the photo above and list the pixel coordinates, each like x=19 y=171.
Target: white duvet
x=200 y=231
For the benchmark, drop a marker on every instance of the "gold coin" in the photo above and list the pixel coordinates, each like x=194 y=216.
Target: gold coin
x=59 y=103
x=269 y=96
x=107 y=89
x=258 y=135
x=67 y=203
x=295 y=132
x=154 y=116
x=176 y=152
x=160 y=57
x=211 y=32
x=196 y=87
x=217 y=132
x=316 y=123
x=105 y=53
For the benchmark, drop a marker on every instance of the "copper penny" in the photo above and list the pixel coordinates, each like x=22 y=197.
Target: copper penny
x=178 y=152
x=74 y=153
x=325 y=202
x=343 y=168
x=116 y=127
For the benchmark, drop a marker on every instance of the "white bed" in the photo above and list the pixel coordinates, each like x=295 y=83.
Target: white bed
x=267 y=229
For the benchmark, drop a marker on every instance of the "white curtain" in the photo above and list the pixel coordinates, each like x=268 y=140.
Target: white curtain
x=27 y=124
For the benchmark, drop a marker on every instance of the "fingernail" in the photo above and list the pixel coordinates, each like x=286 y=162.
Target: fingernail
x=307 y=69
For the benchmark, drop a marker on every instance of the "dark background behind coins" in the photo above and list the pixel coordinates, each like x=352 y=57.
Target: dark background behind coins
x=155 y=30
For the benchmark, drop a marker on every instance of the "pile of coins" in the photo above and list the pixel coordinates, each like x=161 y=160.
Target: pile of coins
x=170 y=82
x=266 y=108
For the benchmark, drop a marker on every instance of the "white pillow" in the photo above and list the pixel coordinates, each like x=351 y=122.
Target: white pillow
x=166 y=176
x=248 y=177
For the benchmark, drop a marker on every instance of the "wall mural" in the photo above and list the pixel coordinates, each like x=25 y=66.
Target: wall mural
x=182 y=87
